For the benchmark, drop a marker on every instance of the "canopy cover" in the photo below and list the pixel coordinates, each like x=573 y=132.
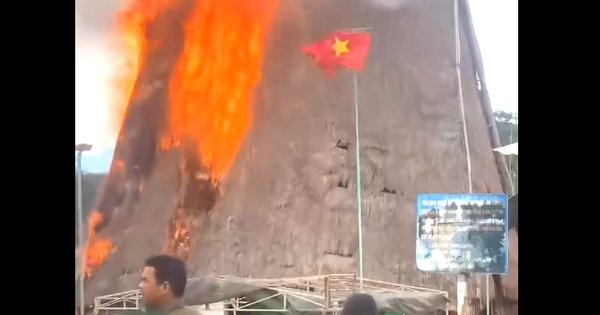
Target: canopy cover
x=509 y=149
x=206 y=290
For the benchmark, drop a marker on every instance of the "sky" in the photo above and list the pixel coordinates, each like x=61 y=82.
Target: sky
x=495 y=23
x=496 y=27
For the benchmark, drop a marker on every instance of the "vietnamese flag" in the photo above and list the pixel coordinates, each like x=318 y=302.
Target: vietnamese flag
x=340 y=49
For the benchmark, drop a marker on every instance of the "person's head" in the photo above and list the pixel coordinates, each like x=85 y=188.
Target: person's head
x=163 y=279
x=360 y=304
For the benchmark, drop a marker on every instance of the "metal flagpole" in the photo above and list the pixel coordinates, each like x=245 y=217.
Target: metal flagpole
x=358 y=184
x=358 y=178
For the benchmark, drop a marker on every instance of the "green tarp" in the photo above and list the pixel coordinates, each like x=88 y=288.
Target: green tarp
x=207 y=290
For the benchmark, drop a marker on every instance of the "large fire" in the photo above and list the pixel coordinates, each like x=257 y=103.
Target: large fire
x=131 y=25
x=97 y=248
x=210 y=85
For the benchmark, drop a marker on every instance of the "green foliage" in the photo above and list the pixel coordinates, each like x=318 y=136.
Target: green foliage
x=506 y=117
x=508 y=126
x=508 y=131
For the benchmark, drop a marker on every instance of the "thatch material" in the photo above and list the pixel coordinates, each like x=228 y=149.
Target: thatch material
x=90 y=186
x=510 y=282
x=279 y=217
x=282 y=212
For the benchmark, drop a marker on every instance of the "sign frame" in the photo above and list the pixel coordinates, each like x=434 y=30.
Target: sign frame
x=437 y=209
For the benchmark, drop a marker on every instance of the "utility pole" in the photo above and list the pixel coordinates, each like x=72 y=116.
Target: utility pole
x=80 y=148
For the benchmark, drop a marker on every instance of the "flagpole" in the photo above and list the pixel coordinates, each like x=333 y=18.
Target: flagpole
x=358 y=177
x=358 y=184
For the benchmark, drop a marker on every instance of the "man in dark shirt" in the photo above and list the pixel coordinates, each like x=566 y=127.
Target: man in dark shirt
x=163 y=283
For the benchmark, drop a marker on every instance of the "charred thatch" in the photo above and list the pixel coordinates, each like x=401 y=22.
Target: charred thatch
x=138 y=143
x=287 y=206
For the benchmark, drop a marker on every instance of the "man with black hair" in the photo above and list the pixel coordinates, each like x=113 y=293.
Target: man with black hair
x=360 y=304
x=163 y=283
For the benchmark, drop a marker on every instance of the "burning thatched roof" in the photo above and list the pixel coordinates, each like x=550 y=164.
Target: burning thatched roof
x=287 y=205
x=90 y=186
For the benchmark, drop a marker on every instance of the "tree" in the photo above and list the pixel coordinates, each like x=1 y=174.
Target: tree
x=508 y=126
x=508 y=131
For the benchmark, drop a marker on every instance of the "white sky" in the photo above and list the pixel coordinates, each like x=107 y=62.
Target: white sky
x=92 y=91
x=91 y=97
x=495 y=24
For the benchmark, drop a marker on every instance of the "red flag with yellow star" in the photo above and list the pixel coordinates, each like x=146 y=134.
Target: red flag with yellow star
x=340 y=49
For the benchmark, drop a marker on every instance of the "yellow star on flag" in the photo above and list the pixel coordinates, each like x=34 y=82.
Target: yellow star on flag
x=340 y=47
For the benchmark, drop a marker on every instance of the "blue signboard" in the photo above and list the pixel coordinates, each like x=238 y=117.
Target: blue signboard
x=462 y=233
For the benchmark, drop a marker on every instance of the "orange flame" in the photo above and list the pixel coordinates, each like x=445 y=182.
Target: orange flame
x=96 y=248
x=131 y=25
x=211 y=88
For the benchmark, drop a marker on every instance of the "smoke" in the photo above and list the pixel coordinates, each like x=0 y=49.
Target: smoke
x=94 y=70
x=389 y=4
x=95 y=18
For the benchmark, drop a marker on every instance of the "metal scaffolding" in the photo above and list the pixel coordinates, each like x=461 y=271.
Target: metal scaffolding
x=324 y=294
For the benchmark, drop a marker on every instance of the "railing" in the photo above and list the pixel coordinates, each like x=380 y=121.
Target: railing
x=124 y=301
x=324 y=294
